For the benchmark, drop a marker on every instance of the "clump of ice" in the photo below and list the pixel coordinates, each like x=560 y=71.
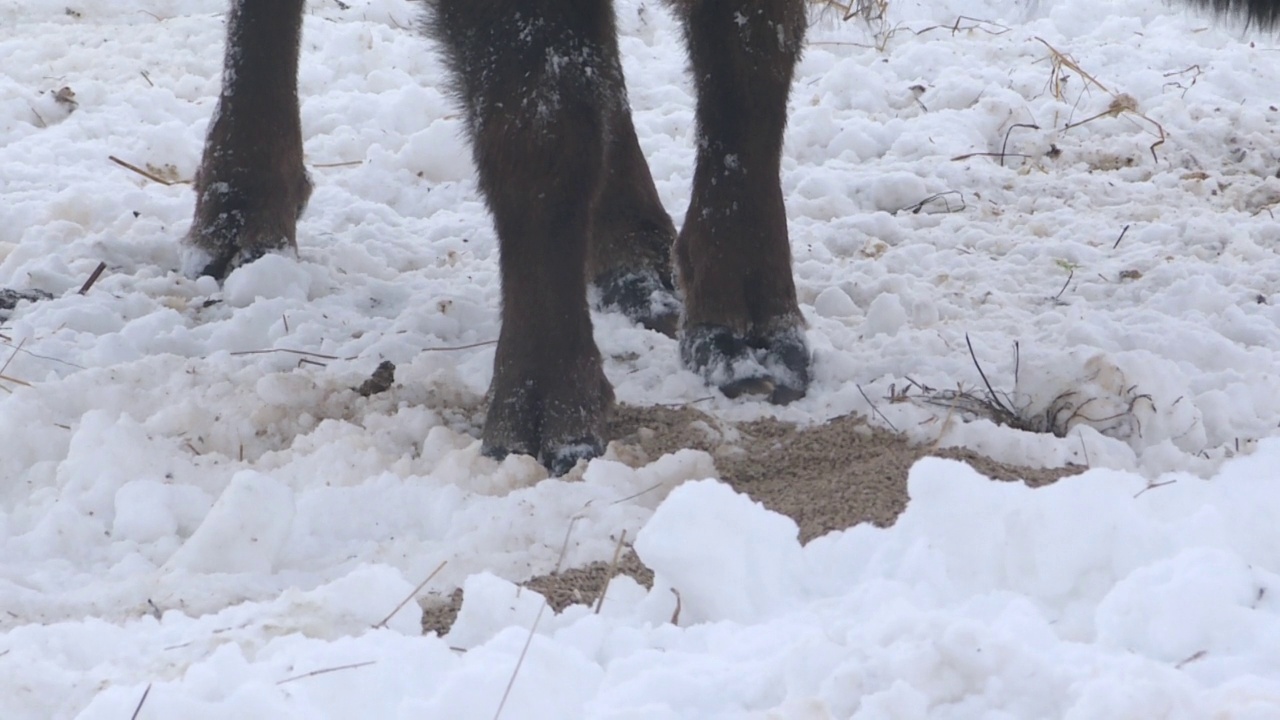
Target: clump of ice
x=243 y=531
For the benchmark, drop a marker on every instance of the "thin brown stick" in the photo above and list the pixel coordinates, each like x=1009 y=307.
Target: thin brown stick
x=519 y=661
x=1060 y=58
x=687 y=403
x=383 y=623
x=1005 y=145
x=533 y=629
x=995 y=399
x=1071 y=272
x=150 y=176
x=875 y=409
x=635 y=495
x=1153 y=486
x=1122 y=232
x=323 y=671
x=613 y=571
x=141 y=700
x=12 y=355
x=1084 y=449
x=1001 y=155
x=291 y=352
x=93 y=277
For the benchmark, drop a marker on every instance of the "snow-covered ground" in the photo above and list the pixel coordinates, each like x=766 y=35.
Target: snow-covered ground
x=195 y=504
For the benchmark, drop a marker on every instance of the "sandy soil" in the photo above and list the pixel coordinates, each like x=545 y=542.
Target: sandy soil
x=825 y=477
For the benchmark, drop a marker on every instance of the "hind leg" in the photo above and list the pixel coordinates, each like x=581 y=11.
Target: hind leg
x=742 y=330
x=536 y=82
x=629 y=253
x=251 y=186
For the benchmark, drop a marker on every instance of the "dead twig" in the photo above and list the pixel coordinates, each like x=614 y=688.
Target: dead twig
x=1117 y=242
x=93 y=277
x=383 y=622
x=524 y=651
x=1071 y=272
x=1059 y=60
x=920 y=206
x=1153 y=486
x=148 y=175
x=990 y=390
x=613 y=571
x=141 y=700
x=875 y=409
x=324 y=671
x=290 y=351
x=5 y=366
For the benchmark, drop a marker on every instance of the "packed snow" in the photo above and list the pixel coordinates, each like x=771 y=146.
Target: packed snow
x=201 y=518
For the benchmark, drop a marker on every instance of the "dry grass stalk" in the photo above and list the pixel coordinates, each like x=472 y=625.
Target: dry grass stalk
x=141 y=700
x=1065 y=411
x=93 y=277
x=383 y=623
x=324 y=671
x=1121 y=103
x=613 y=571
x=153 y=177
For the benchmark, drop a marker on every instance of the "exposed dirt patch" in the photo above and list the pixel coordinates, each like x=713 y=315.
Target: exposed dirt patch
x=825 y=477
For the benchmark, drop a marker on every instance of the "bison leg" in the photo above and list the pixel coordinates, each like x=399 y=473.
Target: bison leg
x=742 y=330
x=251 y=186
x=629 y=254
x=536 y=80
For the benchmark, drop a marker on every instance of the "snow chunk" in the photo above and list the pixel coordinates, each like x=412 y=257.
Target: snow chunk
x=885 y=315
x=270 y=276
x=834 y=302
x=727 y=556
x=244 y=530
x=491 y=604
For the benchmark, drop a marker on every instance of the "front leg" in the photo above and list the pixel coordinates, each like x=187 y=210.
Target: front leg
x=251 y=186
x=536 y=79
x=742 y=328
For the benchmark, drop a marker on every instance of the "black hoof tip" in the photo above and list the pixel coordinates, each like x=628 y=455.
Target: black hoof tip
x=748 y=386
x=776 y=366
x=564 y=458
x=557 y=461
x=644 y=297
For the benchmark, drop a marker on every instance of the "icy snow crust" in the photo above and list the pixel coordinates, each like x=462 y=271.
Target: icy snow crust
x=216 y=526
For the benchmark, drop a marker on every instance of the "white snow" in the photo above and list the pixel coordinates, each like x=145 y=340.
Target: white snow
x=196 y=506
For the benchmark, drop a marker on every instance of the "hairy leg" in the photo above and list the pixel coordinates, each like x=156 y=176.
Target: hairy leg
x=251 y=186
x=536 y=81
x=629 y=253
x=742 y=329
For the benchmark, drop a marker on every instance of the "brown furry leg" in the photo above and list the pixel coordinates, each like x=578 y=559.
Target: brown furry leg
x=629 y=255
x=743 y=330
x=251 y=186
x=536 y=83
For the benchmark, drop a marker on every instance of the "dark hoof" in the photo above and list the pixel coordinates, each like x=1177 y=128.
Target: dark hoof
x=644 y=297
x=199 y=262
x=776 y=366
x=562 y=459
x=557 y=460
x=557 y=425
x=235 y=224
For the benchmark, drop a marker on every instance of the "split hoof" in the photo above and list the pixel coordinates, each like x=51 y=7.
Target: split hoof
x=558 y=422
x=775 y=366
x=644 y=297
